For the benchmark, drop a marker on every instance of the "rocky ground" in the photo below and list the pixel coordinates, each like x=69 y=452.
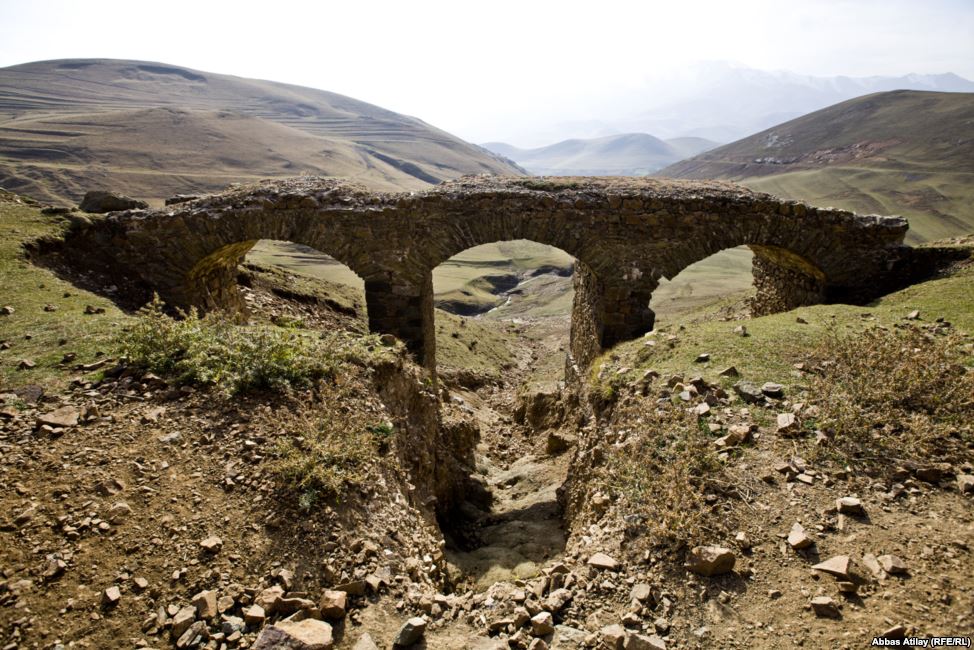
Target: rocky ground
x=138 y=513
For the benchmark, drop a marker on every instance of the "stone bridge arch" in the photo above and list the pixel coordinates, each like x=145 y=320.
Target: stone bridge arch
x=625 y=233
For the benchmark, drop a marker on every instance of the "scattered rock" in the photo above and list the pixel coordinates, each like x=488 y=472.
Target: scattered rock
x=111 y=597
x=603 y=562
x=119 y=512
x=643 y=642
x=109 y=487
x=772 y=389
x=254 y=615
x=749 y=392
x=194 y=636
x=307 y=634
x=542 y=624
x=892 y=564
x=182 y=620
x=205 y=604
x=730 y=371
x=825 y=607
x=212 y=544
x=333 y=604
x=870 y=562
x=613 y=637
x=787 y=424
x=913 y=315
x=895 y=632
x=365 y=642
x=7 y=310
x=797 y=538
x=849 y=506
x=641 y=592
x=411 y=632
x=703 y=357
x=965 y=483
x=837 y=566
x=66 y=416
x=710 y=560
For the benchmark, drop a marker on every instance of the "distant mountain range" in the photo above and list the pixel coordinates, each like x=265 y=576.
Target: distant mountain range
x=900 y=152
x=629 y=154
x=718 y=101
x=152 y=130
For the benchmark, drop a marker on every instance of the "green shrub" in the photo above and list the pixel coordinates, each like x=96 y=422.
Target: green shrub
x=887 y=397
x=212 y=350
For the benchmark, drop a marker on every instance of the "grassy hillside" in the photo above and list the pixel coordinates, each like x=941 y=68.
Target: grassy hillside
x=152 y=130
x=899 y=152
x=628 y=154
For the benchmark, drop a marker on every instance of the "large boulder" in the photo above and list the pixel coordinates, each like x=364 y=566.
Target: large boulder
x=98 y=201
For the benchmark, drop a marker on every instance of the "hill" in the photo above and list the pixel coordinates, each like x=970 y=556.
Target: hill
x=153 y=130
x=628 y=154
x=900 y=152
x=717 y=100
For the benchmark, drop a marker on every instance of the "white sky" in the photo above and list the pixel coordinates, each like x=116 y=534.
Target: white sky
x=467 y=66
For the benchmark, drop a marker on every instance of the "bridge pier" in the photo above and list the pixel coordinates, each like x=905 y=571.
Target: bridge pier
x=784 y=281
x=627 y=313
x=211 y=285
x=404 y=310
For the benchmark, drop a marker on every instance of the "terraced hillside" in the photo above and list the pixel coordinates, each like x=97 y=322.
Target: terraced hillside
x=153 y=130
x=900 y=152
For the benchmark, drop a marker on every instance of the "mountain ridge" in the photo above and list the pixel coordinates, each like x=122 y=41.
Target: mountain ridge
x=59 y=122
x=625 y=154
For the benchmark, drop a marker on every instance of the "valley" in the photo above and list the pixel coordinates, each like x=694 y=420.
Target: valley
x=680 y=358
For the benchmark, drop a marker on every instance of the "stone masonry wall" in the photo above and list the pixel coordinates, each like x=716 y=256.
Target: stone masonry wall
x=627 y=233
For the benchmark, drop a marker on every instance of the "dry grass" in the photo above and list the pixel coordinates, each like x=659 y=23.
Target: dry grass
x=891 y=397
x=662 y=474
x=330 y=445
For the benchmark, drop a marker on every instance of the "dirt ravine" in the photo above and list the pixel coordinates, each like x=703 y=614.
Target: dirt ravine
x=523 y=529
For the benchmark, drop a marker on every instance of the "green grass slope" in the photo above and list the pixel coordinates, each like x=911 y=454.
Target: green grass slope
x=152 y=130
x=899 y=152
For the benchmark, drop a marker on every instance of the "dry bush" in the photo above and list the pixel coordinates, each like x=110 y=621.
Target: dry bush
x=330 y=443
x=662 y=474
x=888 y=397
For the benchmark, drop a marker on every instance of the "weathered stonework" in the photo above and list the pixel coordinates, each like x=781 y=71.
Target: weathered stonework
x=625 y=233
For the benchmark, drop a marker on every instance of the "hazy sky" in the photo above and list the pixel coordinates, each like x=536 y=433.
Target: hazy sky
x=467 y=67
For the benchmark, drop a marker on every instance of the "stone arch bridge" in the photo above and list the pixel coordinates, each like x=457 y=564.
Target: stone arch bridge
x=625 y=233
